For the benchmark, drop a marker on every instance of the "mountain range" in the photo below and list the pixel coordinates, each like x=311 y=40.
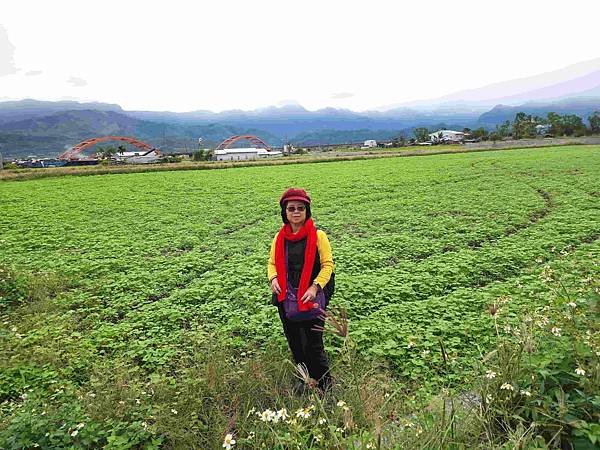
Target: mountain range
x=47 y=128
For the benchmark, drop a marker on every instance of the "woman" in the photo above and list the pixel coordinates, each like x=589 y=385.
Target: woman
x=301 y=256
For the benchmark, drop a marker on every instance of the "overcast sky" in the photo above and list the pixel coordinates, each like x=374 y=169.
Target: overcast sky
x=182 y=55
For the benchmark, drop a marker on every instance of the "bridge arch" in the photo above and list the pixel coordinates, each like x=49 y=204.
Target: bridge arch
x=75 y=151
x=233 y=139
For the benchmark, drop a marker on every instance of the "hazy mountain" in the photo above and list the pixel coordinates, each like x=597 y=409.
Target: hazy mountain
x=583 y=107
x=31 y=126
x=51 y=135
x=291 y=120
x=12 y=111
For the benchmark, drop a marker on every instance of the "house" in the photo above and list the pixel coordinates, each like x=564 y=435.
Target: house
x=370 y=143
x=138 y=157
x=543 y=129
x=447 y=136
x=239 y=154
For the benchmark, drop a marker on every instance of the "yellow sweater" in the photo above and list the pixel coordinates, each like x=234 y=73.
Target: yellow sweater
x=325 y=256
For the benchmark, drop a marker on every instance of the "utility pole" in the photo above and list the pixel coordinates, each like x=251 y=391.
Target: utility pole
x=1 y=162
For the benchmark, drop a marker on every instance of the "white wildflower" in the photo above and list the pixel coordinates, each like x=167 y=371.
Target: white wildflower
x=228 y=442
x=282 y=415
x=525 y=392
x=369 y=445
x=75 y=433
x=303 y=413
x=80 y=426
x=322 y=421
x=418 y=431
x=580 y=371
x=490 y=374
x=267 y=415
x=555 y=331
x=507 y=387
x=252 y=411
x=489 y=398
x=174 y=411
x=341 y=403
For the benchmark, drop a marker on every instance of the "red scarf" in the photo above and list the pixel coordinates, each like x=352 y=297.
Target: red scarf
x=309 y=232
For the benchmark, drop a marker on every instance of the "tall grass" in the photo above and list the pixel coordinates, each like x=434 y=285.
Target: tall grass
x=539 y=388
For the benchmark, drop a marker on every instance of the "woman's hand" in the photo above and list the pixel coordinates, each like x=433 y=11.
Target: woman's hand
x=310 y=295
x=275 y=286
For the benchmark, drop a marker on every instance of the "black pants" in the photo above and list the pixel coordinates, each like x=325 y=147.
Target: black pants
x=307 y=347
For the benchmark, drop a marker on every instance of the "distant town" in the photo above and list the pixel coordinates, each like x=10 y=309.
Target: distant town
x=113 y=150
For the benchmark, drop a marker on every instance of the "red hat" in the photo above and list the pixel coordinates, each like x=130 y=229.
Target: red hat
x=294 y=194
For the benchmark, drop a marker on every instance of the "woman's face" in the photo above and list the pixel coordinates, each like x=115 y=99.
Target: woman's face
x=295 y=212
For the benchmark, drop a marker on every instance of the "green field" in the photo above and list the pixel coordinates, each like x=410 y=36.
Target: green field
x=143 y=271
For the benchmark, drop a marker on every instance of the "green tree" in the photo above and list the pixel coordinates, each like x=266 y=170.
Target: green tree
x=105 y=152
x=480 y=133
x=502 y=131
x=421 y=134
x=399 y=141
x=594 y=120
x=199 y=155
x=523 y=126
x=573 y=125
x=567 y=125
x=495 y=136
x=555 y=121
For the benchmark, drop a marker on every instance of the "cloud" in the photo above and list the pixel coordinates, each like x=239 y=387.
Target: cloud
x=77 y=82
x=7 y=54
x=339 y=95
x=33 y=73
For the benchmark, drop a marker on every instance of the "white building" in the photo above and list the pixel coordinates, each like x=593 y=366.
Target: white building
x=542 y=129
x=449 y=136
x=370 y=143
x=138 y=157
x=239 y=154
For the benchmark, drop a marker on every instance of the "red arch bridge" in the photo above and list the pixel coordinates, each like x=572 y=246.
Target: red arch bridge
x=258 y=142
x=76 y=151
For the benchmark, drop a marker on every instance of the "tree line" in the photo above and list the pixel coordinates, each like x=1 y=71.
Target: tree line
x=525 y=126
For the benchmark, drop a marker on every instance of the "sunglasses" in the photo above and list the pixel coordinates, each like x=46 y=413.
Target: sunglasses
x=295 y=208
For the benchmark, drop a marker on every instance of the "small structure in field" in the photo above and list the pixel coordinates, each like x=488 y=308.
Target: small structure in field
x=447 y=137
x=138 y=157
x=369 y=143
x=239 y=154
x=543 y=129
